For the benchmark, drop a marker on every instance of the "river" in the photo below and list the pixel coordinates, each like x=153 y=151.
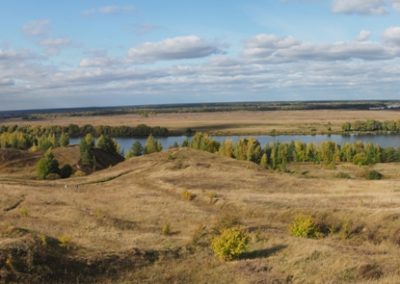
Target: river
x=382 y=140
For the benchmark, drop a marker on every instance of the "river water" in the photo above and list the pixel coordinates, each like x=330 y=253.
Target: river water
x=382 y=140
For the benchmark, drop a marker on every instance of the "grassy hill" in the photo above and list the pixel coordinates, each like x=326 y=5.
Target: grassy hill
x=19 y=163
x=108 y=227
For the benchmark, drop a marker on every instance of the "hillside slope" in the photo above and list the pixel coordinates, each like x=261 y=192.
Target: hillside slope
x=114 y=218
x=21 y=163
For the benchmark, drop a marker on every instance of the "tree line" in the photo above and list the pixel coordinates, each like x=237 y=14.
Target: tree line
x=277 y=155
x=111 y=146
x=74 y=130
x=372 y=126
x=23 y=141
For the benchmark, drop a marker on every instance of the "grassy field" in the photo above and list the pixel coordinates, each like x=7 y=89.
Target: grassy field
x=108 y=227
x=235 y=122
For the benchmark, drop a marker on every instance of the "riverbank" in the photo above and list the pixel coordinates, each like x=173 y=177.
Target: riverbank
x=297 y=122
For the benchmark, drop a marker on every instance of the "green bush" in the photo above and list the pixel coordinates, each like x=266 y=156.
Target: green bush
x=374 y=175
x=46 y=166
x=304 y=226
x=66 y=171
x=230 y=244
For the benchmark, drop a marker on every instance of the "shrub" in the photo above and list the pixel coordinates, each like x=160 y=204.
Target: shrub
x=166 y=229
x=171 y=157
x=64 y=241
x=304 y=226
x=346 y=229
x=187 y=195
x=79 y=173
x=230 y=244
x=23 y=212
x=66 y=171
x=374 y=175
x=213 y=197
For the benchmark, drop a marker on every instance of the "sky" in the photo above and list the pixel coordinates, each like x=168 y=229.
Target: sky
x=56 y=54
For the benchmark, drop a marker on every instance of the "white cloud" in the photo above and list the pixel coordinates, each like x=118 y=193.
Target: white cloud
x=392 y=36
x=15 y=55
x=266 y=44
x=36 y=28
x=98 y=61
x=276 y=49
x=39 y=31
x=272 y=67
x=364 y=35
x=184 y=47
x=110 y=10
x=56 y=42
x=6 y=82
x=363 y=7
x=396 y=4
x=145 y=28
x=54 y=45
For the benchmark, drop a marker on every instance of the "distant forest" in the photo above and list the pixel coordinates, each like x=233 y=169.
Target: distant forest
x=203 y=107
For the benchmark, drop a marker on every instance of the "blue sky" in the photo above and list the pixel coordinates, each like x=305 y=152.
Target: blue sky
x=100 y=53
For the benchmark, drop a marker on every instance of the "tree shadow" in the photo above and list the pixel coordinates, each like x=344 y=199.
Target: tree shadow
x=262 y=253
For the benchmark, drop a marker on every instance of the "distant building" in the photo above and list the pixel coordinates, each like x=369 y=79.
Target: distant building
x=377 y=108
x=394 y=106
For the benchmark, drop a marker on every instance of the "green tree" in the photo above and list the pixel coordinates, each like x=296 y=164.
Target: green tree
x=89 y=139
x=226 y=149
x=53 y=140
x=186 y=143
x=107 y=144
x=64 y=139
x=264 y=161
x=240 y=151
x=300 y=151
x=327 y=152
x=253 y=150
x=47 y=165
x=44 y=143
x=136 y=150
x=274 y=155
x=159 y=146
x=151 y=145
x=202 y=141
x=283 y=156
x=86 y=147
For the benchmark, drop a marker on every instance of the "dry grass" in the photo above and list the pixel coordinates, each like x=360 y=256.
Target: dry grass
x=121 y=208
x=240 y=122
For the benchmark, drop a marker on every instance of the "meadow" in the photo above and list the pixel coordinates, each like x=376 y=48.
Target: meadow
x=225 y=122
x=154 y=218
